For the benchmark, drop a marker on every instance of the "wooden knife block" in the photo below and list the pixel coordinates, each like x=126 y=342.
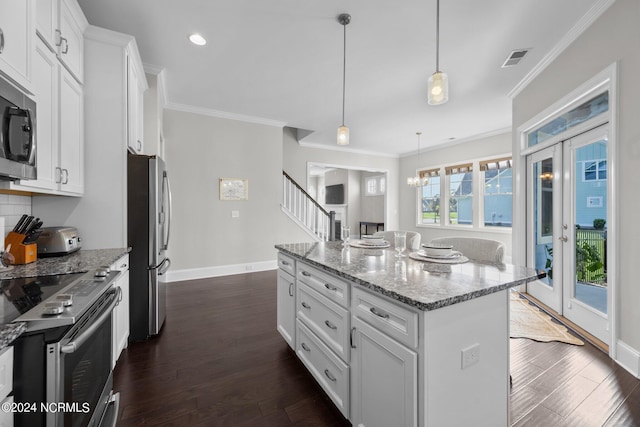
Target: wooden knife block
x=23 y=254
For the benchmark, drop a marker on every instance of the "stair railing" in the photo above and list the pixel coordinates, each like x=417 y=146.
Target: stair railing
x=307 y=211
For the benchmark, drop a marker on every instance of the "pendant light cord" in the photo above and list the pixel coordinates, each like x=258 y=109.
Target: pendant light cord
x=437 y=36
x=344 y=67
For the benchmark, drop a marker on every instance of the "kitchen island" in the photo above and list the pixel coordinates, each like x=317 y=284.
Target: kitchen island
x=396 y=341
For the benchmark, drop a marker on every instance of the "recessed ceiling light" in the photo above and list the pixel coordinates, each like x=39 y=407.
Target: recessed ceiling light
x=197 y=39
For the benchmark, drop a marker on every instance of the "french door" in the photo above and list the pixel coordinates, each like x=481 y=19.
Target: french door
x=566 y=222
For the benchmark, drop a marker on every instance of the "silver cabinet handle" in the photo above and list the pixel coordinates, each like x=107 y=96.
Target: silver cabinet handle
x=331 y=288
x=379 y=314
x=1 y=40
x=305 y=305
x=330 y=325
x=139 y=145
x=304 y=273
x=58 y=37
x=351 y=337
x=291 y=289
x=66 y=176
x=305 y=347
x=58 y=175
x=65 y=49
x=284 y=262
x=328 y=374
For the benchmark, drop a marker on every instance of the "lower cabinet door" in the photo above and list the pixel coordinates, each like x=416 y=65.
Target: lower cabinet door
x=286 y=315
x=384 y=380
x=328 y=369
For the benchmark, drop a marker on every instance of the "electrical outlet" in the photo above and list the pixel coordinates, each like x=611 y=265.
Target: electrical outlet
x=470 y=355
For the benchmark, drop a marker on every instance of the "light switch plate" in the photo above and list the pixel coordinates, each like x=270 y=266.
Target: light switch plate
x=235 y=214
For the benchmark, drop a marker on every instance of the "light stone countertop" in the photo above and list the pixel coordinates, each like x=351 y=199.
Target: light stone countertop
x=426 y=285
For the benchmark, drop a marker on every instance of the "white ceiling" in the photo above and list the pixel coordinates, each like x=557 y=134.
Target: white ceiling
x=281 y=61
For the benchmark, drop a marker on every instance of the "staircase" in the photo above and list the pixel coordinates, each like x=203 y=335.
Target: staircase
x=306 y=212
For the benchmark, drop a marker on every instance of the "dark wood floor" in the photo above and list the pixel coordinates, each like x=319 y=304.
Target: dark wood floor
x=220 y=362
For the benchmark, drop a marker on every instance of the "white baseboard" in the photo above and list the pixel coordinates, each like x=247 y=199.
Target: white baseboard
x=220 y=270
x=628 y=358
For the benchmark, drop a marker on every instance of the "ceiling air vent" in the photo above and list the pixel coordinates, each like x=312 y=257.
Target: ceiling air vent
x=515 y=57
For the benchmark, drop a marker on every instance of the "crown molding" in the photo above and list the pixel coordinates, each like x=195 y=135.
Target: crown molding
x=447 y=144
x=223 y=114
x=585 y=22
x=343 y=149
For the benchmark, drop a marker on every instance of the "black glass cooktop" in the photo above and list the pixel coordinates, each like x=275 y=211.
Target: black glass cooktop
x=21 y=295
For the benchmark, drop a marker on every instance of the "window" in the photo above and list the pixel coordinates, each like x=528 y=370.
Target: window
x=430 y=198
x=497 y=192
x=375 y=185
x=594 y=170
x=460 y=180
x=574 y=117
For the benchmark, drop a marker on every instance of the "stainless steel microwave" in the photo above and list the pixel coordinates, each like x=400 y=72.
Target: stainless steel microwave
x=18 y=135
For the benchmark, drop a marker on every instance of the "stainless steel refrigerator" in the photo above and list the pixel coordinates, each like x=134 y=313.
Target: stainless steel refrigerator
x=149 y=224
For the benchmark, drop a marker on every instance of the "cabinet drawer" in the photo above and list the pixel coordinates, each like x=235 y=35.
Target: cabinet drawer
x=6 y=372
x=122 y=264
x=287 y=263
x=398 y=322
x=331 y=373
x=327 y=319
x=330 y=286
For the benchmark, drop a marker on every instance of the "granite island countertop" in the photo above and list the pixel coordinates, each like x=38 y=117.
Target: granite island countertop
x=78 y=262
x=421 y=284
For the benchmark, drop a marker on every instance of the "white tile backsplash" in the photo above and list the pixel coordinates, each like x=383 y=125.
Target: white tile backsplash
x=12 y=207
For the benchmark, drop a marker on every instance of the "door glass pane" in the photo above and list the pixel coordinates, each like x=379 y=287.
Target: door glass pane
x=590 y=207
x=543 y=217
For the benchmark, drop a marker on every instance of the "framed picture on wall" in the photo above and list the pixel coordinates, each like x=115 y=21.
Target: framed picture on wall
x=234 y=189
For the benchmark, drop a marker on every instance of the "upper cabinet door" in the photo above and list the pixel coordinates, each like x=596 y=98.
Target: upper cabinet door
x=17 y=23
x=47 y=22
x=71 y=41
x=71 y=134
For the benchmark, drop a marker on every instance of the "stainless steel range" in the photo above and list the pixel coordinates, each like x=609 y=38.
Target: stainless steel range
x=63 y=362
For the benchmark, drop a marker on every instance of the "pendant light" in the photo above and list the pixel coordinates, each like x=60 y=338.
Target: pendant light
x=417 y=181
x=343 y=131
x=438 y=82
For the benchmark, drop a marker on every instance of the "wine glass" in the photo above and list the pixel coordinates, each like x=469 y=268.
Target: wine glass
x=346 y=233
x=400 y=240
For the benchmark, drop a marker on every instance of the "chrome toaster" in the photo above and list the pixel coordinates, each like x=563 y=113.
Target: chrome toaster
x=58 y=241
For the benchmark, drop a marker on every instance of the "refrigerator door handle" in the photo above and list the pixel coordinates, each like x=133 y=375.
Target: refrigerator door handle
x=163 y=266
x=166 y=181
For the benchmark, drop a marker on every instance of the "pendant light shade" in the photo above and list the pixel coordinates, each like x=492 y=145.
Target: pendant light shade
x=417 y=181
x=438 y=82
x=438 y=88
x=343 y=131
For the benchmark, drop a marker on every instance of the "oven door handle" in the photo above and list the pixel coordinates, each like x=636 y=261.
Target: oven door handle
x=77 y=343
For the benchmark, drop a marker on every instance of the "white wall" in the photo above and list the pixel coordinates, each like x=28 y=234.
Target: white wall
x=486 y=147
x=615 y=36
x=206 y=240
x=296 y=158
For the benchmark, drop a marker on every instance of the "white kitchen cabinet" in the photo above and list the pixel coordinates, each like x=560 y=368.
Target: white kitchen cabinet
x=286 y=295
x=17 y=38
x=136 y=85
x=120 y=320
x=59 y=129
x=329 y=370
x=6 y=385
x=105 y=154
x=61 y=24
x=384 y=379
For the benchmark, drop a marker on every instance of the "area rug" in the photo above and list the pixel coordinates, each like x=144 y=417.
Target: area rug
x=528 y=321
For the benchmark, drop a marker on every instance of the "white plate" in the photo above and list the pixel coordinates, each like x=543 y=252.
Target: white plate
x=452 y=255
x=363 y=244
